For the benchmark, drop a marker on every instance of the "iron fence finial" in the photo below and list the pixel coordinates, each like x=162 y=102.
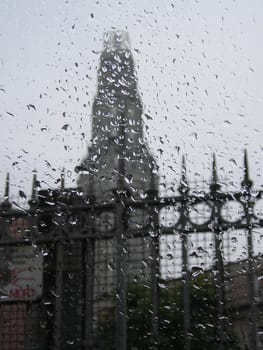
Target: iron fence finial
x=62 y=179
x=6 y=204
x=7 y=187
x=35 y=184
x=184 y=187
x=214 y=176
x=214 y=184
x=247 y=182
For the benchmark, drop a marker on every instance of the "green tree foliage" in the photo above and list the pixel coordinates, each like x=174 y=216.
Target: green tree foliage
x=203 y=305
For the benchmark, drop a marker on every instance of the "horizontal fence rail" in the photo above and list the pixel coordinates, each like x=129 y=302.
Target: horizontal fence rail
x=73 y=221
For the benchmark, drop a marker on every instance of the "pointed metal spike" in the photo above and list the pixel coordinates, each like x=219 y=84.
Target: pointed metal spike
x=247 y=183
x=215 y=186
x=34 y=183
x=7 y=186
x=214 y=170
x=33 y=202
x=6 y=205
x=63 y=179
x=183 y=188
x=246 y=168
x=184 y=169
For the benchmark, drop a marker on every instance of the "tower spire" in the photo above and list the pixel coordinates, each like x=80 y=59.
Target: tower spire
x=117 y=151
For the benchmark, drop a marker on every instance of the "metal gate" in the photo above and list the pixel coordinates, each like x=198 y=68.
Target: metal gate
x=77 y=274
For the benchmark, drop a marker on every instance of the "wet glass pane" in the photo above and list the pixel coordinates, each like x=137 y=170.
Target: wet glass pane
x=131 y=203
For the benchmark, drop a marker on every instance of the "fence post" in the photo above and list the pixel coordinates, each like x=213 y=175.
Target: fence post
x=219 y=264
x=121 y=283
x=58 y=296
x=155 y=268
x=184 y=189
x=88 y=271
x=252 y=289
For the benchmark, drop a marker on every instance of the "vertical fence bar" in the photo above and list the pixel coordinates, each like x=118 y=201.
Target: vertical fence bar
x=88 y=271
x=89 y=255
x=219 y=264
x=220 y=288
x=120 y=200
x=251 y=279
x=58 y=296
x=155 y=290
x=252 y=291
x=155 y=268
x=88 y=280
x=184 y=189
x=186 y=291
x=1 y=324
x=121 y=285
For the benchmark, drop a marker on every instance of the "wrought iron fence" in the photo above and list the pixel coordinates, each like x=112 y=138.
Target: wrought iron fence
x=131 y=274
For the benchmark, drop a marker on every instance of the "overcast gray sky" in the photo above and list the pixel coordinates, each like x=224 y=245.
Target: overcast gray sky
x=200 y=74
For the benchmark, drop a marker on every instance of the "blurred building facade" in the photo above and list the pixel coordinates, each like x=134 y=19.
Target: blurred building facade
x=238 y=302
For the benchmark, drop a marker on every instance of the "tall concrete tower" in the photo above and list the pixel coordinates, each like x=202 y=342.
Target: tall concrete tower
x=118 y=155
x=118 y=158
